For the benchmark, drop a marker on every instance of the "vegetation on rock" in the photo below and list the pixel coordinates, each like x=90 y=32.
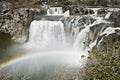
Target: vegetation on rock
x=104 y=63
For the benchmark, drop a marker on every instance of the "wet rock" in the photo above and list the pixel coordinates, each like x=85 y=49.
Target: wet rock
x=87 y=11
x=74 y=24
x=97 y=29
x=115 y=17
x=102 y=11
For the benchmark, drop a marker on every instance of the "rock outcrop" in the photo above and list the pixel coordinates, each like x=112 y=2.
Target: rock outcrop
x=76 y=22
x=115 y=17
x=16 y=22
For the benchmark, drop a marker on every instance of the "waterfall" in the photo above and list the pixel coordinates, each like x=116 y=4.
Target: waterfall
x=82 y=37
x=53 y=34
x=95 y=10
x=44 y=34
x=69 y=32
x=64 y=43
x=108 y=15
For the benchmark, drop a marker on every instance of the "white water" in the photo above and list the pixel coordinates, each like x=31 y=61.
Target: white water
x=46 y=34
x=108 y=15
x=50 y=35
x=57 y=11
x=109 y=31
x=66 y=13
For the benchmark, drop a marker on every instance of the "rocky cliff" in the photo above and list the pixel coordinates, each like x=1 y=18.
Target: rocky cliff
x=16 y=21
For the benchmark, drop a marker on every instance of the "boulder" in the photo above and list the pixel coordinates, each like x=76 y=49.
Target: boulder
x=80 y=10
x=102 y=11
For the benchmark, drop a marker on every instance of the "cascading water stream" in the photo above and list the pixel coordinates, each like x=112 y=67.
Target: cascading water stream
x=108 y=15
x=57 y=43
x=46 y=34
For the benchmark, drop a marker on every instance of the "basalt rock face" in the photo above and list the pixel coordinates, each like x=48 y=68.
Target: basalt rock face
x=16 y=22
x=79 y=10
x=115 y=17
x=86 y=11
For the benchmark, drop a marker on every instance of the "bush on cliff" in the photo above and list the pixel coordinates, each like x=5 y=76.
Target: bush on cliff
x=104 y=63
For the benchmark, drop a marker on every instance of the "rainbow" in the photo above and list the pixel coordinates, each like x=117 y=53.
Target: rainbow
x=34 y=54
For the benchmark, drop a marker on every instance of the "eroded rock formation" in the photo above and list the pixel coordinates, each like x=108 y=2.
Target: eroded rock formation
x=16 y=21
